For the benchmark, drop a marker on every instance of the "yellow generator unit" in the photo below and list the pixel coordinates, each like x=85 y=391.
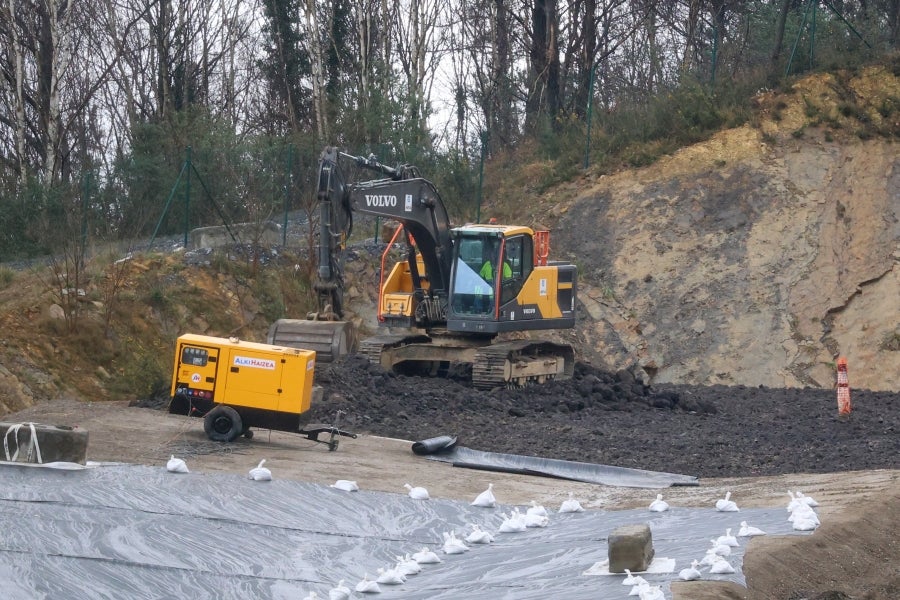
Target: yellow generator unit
x=235 y=385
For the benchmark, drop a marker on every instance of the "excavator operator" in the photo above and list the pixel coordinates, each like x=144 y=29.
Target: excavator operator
x=487 y=269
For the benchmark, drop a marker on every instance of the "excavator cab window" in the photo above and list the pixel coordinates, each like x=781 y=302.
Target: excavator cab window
x=473 y=282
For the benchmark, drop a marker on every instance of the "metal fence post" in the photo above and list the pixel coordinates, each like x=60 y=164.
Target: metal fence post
x=484 y=139
x=590 y=110
x=287 y=192
x=187 y=196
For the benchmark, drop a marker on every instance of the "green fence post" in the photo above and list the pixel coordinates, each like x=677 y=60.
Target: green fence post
x=812 y=37
x=484 y=139
x=187 y=196
x=166 y=208
x=85 y=199
x=287 y=192
x=590 y=110
x=715 y=54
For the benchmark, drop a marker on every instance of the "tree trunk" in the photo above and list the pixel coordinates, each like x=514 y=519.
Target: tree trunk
x=415 y=37
x=687 y=60
x=779 y=31
x=553 y=66
x=364 y=36
x=163 y=51
x=59 y=23
x=18 y=95
x=229 y=99
x=587 y=54
x=502 y=125
x=414 y=73
x=719 y=10
x=184 y=47
x=654 y=69
x=543 y=95
x=315 y=49
x=279 y=39
x=894 y=23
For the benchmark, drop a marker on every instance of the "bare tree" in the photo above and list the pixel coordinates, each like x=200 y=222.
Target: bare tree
x=418 y=35
x=597 y=31
x=691 y=23
x=365 y=32
x=18 y=84
x=493 y=34
x=543 y=87
x=373 y=49
x=318 y=72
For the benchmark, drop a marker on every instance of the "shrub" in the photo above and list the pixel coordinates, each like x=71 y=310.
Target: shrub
x=7 y=276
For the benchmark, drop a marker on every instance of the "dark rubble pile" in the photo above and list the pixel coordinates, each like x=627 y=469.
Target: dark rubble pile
x=610 y=418
x=373 y=396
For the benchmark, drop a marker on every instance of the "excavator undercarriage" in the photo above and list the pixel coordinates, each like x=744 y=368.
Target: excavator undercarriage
x=512 y=363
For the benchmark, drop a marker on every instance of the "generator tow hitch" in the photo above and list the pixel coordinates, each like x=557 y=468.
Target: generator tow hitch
x=312 y=432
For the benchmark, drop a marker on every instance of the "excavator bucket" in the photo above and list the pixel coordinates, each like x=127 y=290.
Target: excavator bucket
x=329 y=339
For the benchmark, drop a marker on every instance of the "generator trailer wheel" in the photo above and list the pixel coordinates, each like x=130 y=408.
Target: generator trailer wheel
x=223 y=424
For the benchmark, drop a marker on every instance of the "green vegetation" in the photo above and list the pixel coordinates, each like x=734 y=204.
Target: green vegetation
x=890 y=342
x=7 y=276
x=145 y=372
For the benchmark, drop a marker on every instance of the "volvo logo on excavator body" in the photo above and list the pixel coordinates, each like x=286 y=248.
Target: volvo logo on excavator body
x=381 y=200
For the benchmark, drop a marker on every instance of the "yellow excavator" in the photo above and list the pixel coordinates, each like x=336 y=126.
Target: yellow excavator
x=443 y=305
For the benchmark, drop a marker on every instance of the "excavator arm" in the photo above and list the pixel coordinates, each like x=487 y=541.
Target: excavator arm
x=403 y=196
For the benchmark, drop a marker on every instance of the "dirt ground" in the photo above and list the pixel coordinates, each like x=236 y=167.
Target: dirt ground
x=757 y=443
x=609 y=418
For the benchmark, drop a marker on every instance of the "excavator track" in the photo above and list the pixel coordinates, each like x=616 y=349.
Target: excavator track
x=372 y=348
x=520 y=363
x=505 y=364
x=378 y=349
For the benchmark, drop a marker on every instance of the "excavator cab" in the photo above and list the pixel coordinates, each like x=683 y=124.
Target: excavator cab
x=491 y=265
x=474 y=285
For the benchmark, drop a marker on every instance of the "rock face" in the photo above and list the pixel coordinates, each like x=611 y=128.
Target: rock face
x=14 y=394
x=754 y=258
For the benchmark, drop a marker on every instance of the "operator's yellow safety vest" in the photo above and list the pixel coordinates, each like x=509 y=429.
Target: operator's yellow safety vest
x=487 y=271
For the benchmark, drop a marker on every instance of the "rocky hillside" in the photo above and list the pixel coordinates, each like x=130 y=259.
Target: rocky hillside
x=756 y=257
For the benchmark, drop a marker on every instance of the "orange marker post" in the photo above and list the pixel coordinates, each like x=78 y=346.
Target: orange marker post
x=843 y=388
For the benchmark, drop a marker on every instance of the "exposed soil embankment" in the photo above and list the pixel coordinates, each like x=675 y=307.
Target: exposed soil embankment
x=755 y=257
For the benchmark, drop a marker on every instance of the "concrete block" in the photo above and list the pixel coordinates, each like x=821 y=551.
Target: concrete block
x=630 y=547
x=266 y=233
x=56 y=443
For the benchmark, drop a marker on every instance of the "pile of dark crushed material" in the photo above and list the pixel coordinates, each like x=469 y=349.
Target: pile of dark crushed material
x=609 y=418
